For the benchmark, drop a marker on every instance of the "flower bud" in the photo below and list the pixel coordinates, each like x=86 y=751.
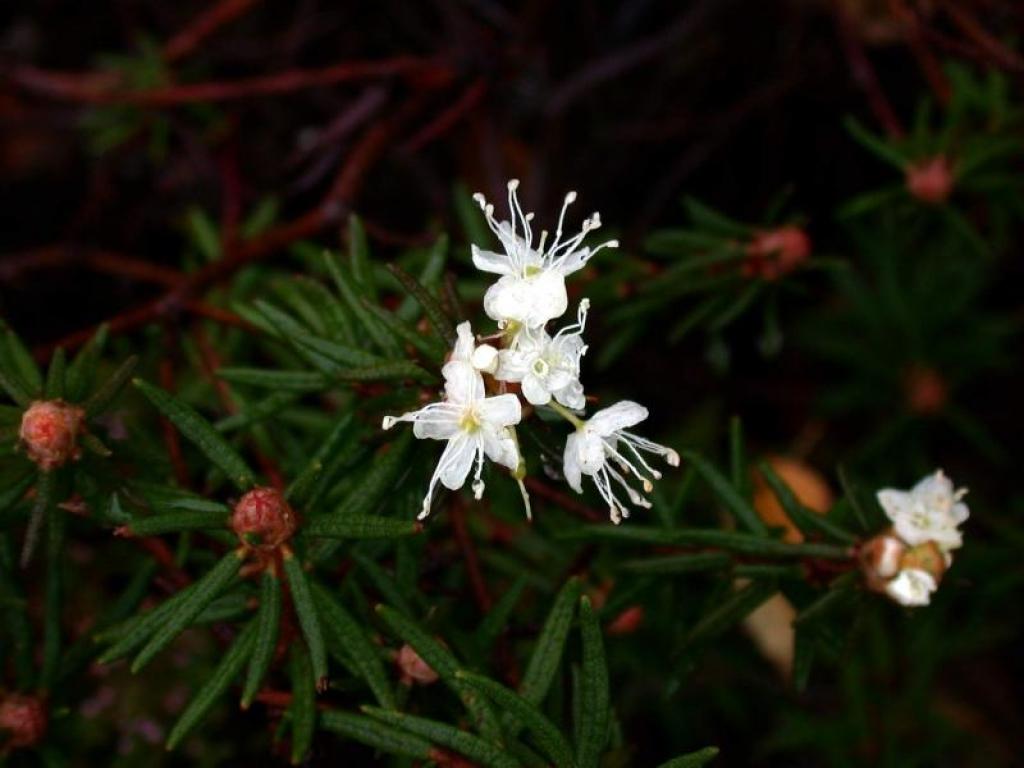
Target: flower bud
x=263 y=519
x=24 y=718
x=881 y=559
x=927 y=557
x=414 y=669
x=931 y=180
x=773 y=253
x=49 y=432
x=627 y=622
x=925 y=390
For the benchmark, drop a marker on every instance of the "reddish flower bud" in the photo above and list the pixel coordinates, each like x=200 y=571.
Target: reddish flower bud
x=881 y=559
x=263 y=519
x=49 y=432
x=926 y=557
x=925 y=390
x=773 y=253
x=627 y=622
x=931 y=180
x=24 y=718
x=414 y=669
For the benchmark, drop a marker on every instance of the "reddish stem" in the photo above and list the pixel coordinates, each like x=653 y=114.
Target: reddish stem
x=469 y=554
x=204 y=25
x=537 y=486
x=863 y=74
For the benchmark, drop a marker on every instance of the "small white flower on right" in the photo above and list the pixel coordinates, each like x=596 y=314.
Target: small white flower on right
x=930 y=511
x=912 y=587
x=602 y=442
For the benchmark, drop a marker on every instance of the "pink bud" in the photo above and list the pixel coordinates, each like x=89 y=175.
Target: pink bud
x=24 y=718
x=49 y=432
x=931 y=180
x=627 y=622
x=263 y=519
x=414 y=669
x=773 y=253
x=880 y=560
x=925 y=390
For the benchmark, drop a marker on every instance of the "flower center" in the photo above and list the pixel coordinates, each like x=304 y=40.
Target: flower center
x=531 y=270
x=469 y=422
x=541 y=367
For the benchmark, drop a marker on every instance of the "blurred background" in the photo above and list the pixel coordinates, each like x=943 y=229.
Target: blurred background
x=880 y=141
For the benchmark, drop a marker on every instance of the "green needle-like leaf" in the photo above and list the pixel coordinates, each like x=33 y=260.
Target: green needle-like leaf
x=593 y=706
x=225 y=673
x=268 y=621
x=309 y=619
x=548 y=737
x=547 y=652
x=731 y=610
x=343 y=526
x=692 y=759
x=198 y=430
x=303 y=706
x=101 y=399
x=21 y=365
x=173 y=522
x=473 y=747
x=376 y=734
x=82 y=371
x=431 y=306
x=796 y=511
x=727 y=493
x=54 y=388
x=188 y=606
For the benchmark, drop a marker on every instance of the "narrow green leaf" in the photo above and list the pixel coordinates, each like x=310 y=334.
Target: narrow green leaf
x=840 y=591
x=340 y=434
x=473 y=747
x=15 y=389
x=303 y=706
x=727 y=494
x=309 y=619
x=800 y=515
x=268 y=620
x=282 y=381
x=549 y=738
x=174 y=522
x=222 y=677
x=346 y=632
x=594 y=704
x=730 y=611
x=198 y=430
x=737 y=457
x=54 y=389
x=342 y=526
x=24 y=367
x=53 y=601
x=375 y=734
x=494 y=622
x=744 y=543
x=82 y=371
x=346 y=289
x=692 y=759
x=101 y=399
x=683 y=563
x=359 y=256
x=429 y=275
x=45 y=487
x=429 y=346
x=444 y=663
x=132 y=633
x=188 y=607
x=15 y=491
x=803 y=659
x=547 y=653
x=879 y=147
x=203 y=233
x=431 y=306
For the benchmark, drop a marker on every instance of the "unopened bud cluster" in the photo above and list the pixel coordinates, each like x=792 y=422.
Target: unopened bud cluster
x=49 y=433
x=484 y=382
x=262 y=519
x=907 y=561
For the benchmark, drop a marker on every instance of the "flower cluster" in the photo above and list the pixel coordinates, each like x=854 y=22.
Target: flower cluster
x=908 y=561
x=484 y=382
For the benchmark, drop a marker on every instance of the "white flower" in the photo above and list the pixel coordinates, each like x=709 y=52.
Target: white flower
x=604 y=437
x=531 y=289
x=547 y=366
x=474 y=425
x=931 y=511
x=912 y=587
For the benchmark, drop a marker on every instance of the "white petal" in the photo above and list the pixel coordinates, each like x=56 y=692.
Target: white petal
x=548 y=298
x=534 y=390
x=619 y=416
x=895 y=504
x=485 y=358
x=489 y=261
x=571 y=463
x=500 y=411
x=590 y=451
x=507 y=299
x=936 y=490
x=457 y=460
x=512 y=365
x=464 y=344
x=462 y=382
x=571 y=396
x=501 y=448
x=437 y=424
x=573 y=262
x=912 y=587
